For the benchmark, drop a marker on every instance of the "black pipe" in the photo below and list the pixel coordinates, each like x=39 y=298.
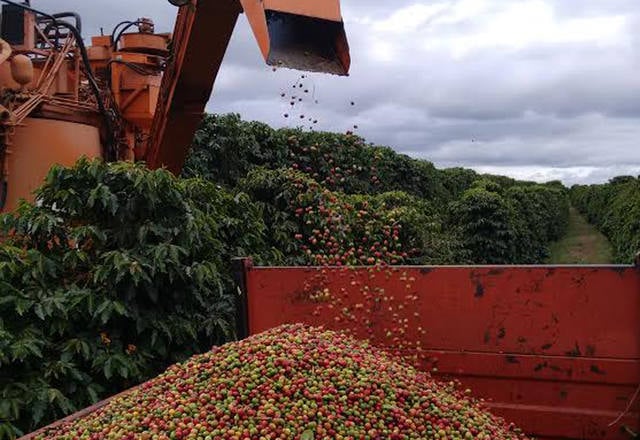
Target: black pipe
x=114 y=43
x=92 y=82
x=73 y=15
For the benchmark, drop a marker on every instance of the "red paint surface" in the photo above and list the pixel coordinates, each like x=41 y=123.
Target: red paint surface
x=555 y=349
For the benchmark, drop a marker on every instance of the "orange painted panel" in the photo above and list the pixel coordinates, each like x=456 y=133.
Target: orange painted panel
x=326 y=10
x=38 y=144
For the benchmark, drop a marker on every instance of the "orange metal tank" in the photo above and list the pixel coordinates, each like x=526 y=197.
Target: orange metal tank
x=38 y=145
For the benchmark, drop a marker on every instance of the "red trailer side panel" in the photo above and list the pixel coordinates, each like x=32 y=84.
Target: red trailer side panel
x=555 y=348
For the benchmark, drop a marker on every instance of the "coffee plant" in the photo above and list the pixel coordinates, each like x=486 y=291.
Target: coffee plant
x=332 y=167
x=513 y=225
x=113 y=274
x=313 y=225
x=614 y=207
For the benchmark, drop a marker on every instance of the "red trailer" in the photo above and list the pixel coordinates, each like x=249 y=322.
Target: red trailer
x=554 y=349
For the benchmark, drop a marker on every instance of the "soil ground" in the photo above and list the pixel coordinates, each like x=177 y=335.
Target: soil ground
x=583 y=244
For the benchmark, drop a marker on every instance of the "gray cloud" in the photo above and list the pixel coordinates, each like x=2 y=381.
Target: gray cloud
x=532 y=88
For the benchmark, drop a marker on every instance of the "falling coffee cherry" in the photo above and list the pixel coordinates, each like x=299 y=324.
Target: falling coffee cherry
x=282 y=95
x=286 y=115
x=301 y=116
x=355 y=126
x=353 y=103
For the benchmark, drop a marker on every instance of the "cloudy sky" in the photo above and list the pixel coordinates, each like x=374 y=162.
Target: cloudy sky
x=537 y=89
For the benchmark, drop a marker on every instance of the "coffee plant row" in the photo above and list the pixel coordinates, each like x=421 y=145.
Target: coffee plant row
x=614 y=207
x=114 y=274
x=327 y=198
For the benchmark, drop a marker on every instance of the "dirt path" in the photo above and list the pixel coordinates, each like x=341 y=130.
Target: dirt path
x=583 y=244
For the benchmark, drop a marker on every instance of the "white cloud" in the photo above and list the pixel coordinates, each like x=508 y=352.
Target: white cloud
x=466 y=26
x=410 y=18
x=568 y=175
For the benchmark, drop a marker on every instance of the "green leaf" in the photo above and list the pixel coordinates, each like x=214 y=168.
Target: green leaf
x=93 y=394
x=39 y=311
x=107 y=368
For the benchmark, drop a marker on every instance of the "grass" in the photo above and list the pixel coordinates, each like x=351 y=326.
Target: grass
x=583 y=244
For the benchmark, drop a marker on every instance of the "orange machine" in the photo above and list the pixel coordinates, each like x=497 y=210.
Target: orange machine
x=135 y=94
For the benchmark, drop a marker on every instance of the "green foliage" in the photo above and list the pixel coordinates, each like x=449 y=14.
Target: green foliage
x=614 y=208
x=113 y=274
x=485 y=221
x=313 y=225
x=226 y=148
x=542 y=216
x=511 y=225
x=292 y=170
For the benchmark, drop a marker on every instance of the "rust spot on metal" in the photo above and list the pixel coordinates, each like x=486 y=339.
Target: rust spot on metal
x=511 y=359
x=475 y=278
x=578 y=280
x=522 y=340
x=563 y=394
x=547 y=346
x=537 y=286
x=550 y=272
x=540 y=367
x=496 y=271
x=575 y=352
x=479 y=290
x=595 y=369
x=487 y=336
x=502 y=333
x=554 y=318
x=590 y=351
x=555 y=368
x=425 y=270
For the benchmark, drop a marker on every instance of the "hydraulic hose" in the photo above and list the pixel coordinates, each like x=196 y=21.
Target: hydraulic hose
x=92 y=81
x=73 y=15
x=115 y=38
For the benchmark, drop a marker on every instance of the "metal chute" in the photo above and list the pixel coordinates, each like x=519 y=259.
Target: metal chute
x=300 y=34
